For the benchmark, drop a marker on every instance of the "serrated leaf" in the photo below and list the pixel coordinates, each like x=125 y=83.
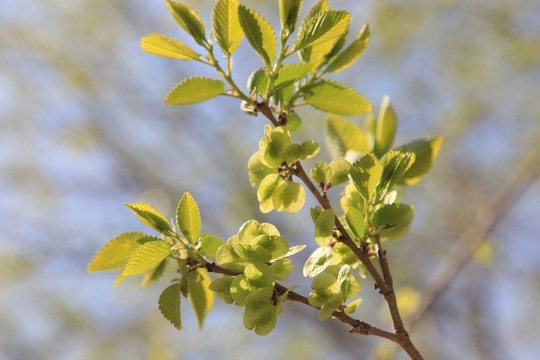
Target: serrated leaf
x=292 y=73
x=385 y=129
x=366 y=174
x=324 y=227
x=146 y=257
x=169 y=304
x=343 y=135
x=318 y=261
x=188 y=19
x=322 y=27
x=356 y=222
x=348 y=56
x=162 y=45
x=336 y=98
x=258 y=81
x=151 y=276
x=259 y=33
x=340 y=171
x=289 y=197
x=395 y=165
x=188 y=218
x=288 y=11
x=321 y=172
x=193 y=90
x=115 y=253
x=150 y=217
x=200 y=296
x=426 y=151
x=226 y=25
x=209 y=245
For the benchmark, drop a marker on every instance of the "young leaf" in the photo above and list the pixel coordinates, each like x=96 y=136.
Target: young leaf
x=356 y=222
x=322 y=27
x=209 y=245
x=317 y=261
x=115 y=253
x=340 y=171
x=324 y=227
x=222 y=287
x=297 y=152
x=352 y=306
x=226 y=25
x=293 y=122
x=169 y=304
x=395 y=165
x=228 y=259
x=291 y=73
x=200 y=296
x=151 y=276
x=187 y=18
x=366 y=174
x=259 y=274
x=292 y=250
x=150 y=217
x=188 y=218
x=289 y=196
x=426 y=151
x=146 y=257
x=240 y=289
x=336 y=98
x=266 y=191
x=343 y=135
x=330 y=306
x=282 y=268
x=321 y=173
x=193 y=90
x=161 y=45
x=261 y=313
x=348 y=56
x=393 y=220
x=259 y=33
x=252 y=253
x=276 y=245
x=385 y=130
x=251 y=229
x=258 y=171
x=288 y=11
x=258 y=81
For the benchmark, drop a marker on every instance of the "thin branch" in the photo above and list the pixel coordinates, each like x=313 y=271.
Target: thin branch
x=484 y=221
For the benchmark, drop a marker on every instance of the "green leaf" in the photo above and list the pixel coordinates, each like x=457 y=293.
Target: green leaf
x=222 y=288
x=146 y=257
x=343 y=135
x=259 y=33
x=276 y=245
x=151 y=276
x=228 y=259
x=252 y=253
x=209 y=245
x=330 y=306
x=321 y=173
x=169 y=304
x=259 y=274
x=188 y=218
x=251 y=229
x=297 y=152
x=293 y=250
x=351 y=198
x=226 y=25
x=395 y=165
x=293 y=122
x=161 y=45
x=258 y=81
x=150 y=217
x=193 y=90
x=340 y=171
x=336 y=98
x=187 y=18
x=115 y=253
x=352 y=306
x=240 y=289
x=324 y=227
x=426 y=151
x=200 y=296
x=393 y=220
x=261 y=313
x=282 y=268
x=322 y=27
x=291 y=73
x=258 y=171
x=289 y=197
x=317 y=261
x=288 y=11
x=348 y=56
x=385 y=130
x=356 y=222
x=366 y=174
x=266 y=191
x=320 y=6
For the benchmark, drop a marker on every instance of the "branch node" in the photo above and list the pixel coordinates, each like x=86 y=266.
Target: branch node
x=361 y=328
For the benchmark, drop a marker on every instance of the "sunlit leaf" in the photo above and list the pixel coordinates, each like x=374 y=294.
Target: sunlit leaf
x=162 y=45
x=261 y=313
x=289 y=196
x=193 y=90
x=366 y=175
x=200 y=296
x=352 y=306
x=169 y=304
x=150 y=217
x=324 y=227
x=356 y=222
x=152 y=275
x=188 y=218
x=115 y=253
x=318 y=261
x=291 y=73
x=288 y=11
x=258 y=171
x=187 y=18
x=348 y=56
x=385 y=130
x=146 y=257
x=209 y=245
x=343 y=135
x=340 y=171
x=226 y=25
x=259 y=33
x=282 y=268
x=426 y=151
x=393 y=220
x=336 y=98
x=321 y=172
x=322 y=27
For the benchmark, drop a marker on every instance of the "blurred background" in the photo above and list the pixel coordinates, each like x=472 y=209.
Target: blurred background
x=83 y=129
